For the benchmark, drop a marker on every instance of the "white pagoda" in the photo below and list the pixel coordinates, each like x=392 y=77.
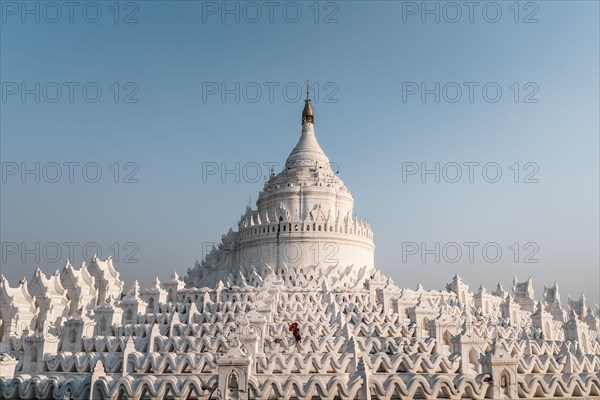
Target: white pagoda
x=290 y=306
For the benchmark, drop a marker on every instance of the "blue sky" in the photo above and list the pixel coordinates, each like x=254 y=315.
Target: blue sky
x=160 y=124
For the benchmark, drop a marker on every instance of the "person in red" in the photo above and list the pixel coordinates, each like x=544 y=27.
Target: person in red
x=295 y=329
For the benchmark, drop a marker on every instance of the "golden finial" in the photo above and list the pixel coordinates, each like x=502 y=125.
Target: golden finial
x=307 y=114
x=307 y=98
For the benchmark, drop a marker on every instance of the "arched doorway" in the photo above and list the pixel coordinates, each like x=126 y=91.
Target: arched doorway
x=474 y=360
x=232 y=386
x=505 y=384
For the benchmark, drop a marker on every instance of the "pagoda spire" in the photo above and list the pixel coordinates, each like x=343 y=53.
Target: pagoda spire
x=307 y=114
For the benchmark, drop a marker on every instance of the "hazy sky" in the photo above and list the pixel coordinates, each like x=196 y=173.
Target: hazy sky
x=161 y=97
